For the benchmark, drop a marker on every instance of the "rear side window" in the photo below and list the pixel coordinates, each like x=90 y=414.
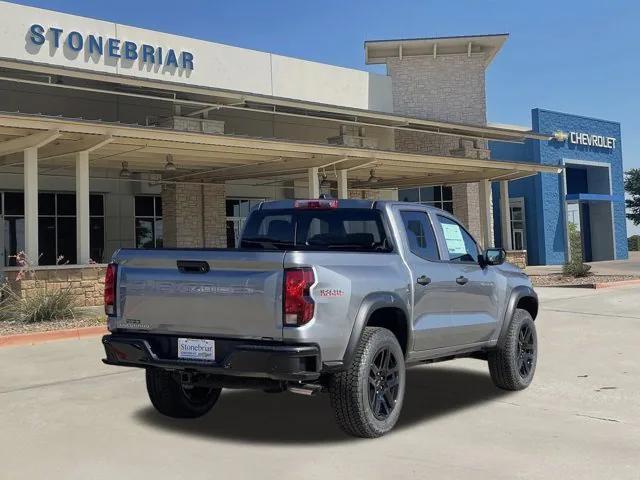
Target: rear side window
x=460 y=245
x=420 y=236
x=346 y=229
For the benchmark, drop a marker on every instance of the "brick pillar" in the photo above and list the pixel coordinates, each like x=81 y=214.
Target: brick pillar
x=466 y=196
x=194 y=215
x=448 y=88
x=182 y=215
x=215 y=216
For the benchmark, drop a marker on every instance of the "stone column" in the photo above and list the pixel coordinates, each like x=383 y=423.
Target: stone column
x=215 y=216
x=182 y=215
x=194 y=215
x=449 y=88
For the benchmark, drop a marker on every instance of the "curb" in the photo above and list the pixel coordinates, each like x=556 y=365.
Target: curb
x=596 y=286
x=621 y=283
x=42 y=337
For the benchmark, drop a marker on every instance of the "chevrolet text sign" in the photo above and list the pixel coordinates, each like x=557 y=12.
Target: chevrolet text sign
x=590 y=140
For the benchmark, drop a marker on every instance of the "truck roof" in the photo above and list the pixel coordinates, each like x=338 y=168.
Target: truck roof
x=343 y=203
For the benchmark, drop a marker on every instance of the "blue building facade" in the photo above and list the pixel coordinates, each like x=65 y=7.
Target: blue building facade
x=589 y=193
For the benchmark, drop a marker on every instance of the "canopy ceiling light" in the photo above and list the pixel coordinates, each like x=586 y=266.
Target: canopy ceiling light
x=170 y=166
x=324 y=182
x=125 y=172
x=372 y=177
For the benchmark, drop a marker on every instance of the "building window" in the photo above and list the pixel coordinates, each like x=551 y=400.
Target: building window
x=518 y=225
x=56 y=227
x=148 y=219
x=237 y=212
x=439 y=197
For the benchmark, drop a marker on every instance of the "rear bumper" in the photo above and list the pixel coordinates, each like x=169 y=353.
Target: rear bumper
x=278 y=361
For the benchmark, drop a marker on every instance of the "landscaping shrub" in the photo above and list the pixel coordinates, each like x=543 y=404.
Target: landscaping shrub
x=576 y=266
x=41 y=305
x=576 y=269
x=634 y=243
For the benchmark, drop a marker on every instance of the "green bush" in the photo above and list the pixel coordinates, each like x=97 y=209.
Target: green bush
x=576 y=266
x=634 y=243
x=576 y=269
x=41 y=305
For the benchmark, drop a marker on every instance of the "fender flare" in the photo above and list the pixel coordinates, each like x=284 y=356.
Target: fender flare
x=521 y=291
x=372 y=302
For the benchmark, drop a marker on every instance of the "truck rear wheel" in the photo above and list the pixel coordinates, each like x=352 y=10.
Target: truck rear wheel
x=513 y=363
x=367 y=397
x=173 y=399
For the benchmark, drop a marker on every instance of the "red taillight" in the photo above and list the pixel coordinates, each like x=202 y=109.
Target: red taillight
x=298 y=305
x=321 y=204
x=110 y=289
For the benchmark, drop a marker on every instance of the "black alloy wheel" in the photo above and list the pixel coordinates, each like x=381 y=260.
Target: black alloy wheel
x=526 y=350
x=384 y=383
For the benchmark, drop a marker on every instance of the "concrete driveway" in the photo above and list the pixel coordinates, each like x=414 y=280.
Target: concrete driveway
x=65 y=415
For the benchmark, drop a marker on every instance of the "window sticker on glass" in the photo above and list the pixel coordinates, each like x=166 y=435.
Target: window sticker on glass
x=453 y=237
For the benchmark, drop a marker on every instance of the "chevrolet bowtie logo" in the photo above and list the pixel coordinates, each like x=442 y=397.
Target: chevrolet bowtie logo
x=560 y=136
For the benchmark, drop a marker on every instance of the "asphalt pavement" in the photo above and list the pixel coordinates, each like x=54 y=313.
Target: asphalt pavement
x=65 y=415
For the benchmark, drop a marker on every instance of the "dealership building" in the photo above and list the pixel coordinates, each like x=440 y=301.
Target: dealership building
x=114 y=136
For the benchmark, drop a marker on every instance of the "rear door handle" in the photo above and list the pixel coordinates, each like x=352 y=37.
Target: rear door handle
x=461 y=280
x=423 y=280
x=192 y=266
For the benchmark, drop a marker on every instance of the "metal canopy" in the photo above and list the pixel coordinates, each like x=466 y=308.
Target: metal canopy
x=197 y=100
x=219 y=158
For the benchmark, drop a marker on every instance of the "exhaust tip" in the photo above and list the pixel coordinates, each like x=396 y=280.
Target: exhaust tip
x=308 y=390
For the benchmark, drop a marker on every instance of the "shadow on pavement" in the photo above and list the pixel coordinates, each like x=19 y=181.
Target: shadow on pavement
x=255 y=417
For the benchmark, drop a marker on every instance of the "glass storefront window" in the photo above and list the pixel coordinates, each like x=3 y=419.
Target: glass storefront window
x=148 y=221
x=439 y=196
x=56 y=227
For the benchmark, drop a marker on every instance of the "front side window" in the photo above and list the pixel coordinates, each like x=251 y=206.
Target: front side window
x=460 y=245
x=420 y=236
x=148 y=213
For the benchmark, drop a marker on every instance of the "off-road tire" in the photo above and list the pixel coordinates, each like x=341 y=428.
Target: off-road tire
x=349 y=389
x=504 y=360
x=170 y=398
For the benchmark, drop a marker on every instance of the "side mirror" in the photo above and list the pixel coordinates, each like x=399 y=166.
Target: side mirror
x=494 y=256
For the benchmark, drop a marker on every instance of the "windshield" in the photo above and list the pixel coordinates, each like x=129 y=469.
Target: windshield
x=347 y=229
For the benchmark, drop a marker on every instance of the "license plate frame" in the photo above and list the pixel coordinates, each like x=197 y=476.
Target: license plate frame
x=198 y=349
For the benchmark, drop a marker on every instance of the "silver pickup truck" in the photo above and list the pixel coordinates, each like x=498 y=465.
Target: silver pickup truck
x=322 y=295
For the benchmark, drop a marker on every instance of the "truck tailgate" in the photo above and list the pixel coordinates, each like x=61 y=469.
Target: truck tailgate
x=166 y=291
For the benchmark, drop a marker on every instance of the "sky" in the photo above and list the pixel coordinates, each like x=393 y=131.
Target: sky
x=579 y=57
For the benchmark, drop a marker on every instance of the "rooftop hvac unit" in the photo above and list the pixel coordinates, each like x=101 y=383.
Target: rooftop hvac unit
x=149 y=184
x=191 y=124
x=353 y=137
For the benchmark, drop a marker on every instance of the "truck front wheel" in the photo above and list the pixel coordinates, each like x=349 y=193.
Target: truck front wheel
x=513 y=363
x=367 y=397
x=173 y=399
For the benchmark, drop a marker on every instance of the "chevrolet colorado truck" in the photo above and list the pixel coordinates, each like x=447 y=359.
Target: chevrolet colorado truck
x=321 y=295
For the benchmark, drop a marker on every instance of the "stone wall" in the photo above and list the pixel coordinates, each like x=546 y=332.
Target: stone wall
x=215 y=216
x=86 y=282
x=448 y=88
x=194 y=215
x=517 y=257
